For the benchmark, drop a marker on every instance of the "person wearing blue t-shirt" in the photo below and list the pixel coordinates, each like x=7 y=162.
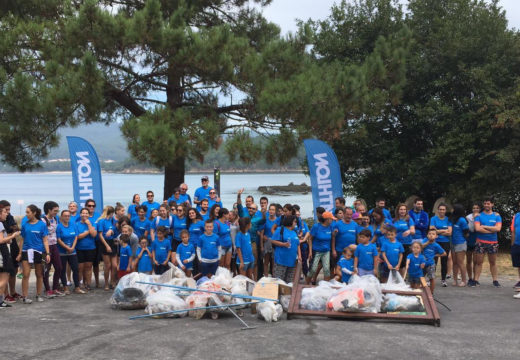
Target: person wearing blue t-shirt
x=471 y=243
x=161 y=251
x=365 y=256
x=34 y=243
x=487 y=225
x=132 y=209
x=266 y=248
x=67 y=234
x=204 y=209
x=223 y=231
x=124 y=266
x=185 y=254
x=345 y=266
x=444 y=227
x=245 y=256
x=144 y=257
x=392 y=253
x=286 y=249
x=150 y=204
x=202 y=192
x=459 y=246
x=208 y=250
x=163 y=219
x=320 y=240
x=180 y=222
x=378 y=227
x=184 y=197
x=86 y=247
x=405 y=226
x=515 y=248
x=420 y=219
x=344 y=234
x=381 y=203
x=141 y=224
x=415 y=263
x=176 y=197
x=431 y=250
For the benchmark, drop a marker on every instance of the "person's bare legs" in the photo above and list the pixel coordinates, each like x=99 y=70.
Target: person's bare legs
x=26 y=268
x=4 y=279
x=492 y=258
x=107 y=269
x=38 y=269
x=469 y=264
x=113 y=268
x=479 y=260
x=461 y=256
x=87 y=274
x=450 y=265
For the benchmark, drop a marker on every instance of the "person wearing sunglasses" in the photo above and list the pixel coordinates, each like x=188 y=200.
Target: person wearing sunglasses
x=179 y=224
x=202 y=192
x=150 y=203
x=214 y=199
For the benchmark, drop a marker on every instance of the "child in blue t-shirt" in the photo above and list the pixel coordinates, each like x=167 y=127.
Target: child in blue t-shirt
x=431 y=250
x=144 y=257
x=345 y=266
x=415 y=263
x=161 y=251
x=392 y=253
x=365 y=255
x=125 y=257
x=245 y=257
x=208 y=250
x=185 y=253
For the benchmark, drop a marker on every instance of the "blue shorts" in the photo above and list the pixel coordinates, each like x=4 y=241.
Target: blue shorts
x=363 y=272
x=247 y=266
x=208 y=268
x=226 y=249
x=414 y=280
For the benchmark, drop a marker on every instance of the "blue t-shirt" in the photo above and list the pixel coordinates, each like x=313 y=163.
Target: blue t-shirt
x=386 y=213
x=161 y=249
x=141 y=226
x=33 y=235
x=150 y=207
x=167 y=223
x=457 y=235
x=125 y=253
x=243 y=242
x=392 y=251
x=414 y=268
x=224 y=233
x=402 y=225
x=376 y=231
x=213 y=202
x=269 y=225
x=205 y=216
x=178 y=225
x=67 y=234
x=183 y=198
x=439 y=224
x=208 y=245
x=282 y=255
x=145 y=263
x=105 y=225
x=88 y=242
x=196 y=229
x=429 y=252
x=185 y=252
x=365 y=255
x=421 y=221
x=515 y=226
x=131 y=211
x=321 y=237
x=346 y=234
x=346 y=264
x=202 y=193
x=488 y=220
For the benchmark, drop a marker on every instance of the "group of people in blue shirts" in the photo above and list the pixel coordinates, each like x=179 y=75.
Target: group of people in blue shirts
x=198 y=235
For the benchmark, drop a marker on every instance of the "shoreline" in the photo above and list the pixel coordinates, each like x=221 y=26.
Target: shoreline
x=151 y=172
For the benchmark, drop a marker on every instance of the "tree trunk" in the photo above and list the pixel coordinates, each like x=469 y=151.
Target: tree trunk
x=173 y=176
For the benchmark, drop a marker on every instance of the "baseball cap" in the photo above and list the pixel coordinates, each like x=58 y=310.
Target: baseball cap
x=327 y=215
x=356 y=216
x=204 y=178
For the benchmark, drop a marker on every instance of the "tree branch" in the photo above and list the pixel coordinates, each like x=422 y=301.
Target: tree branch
x=123 y=99
x=144 y=78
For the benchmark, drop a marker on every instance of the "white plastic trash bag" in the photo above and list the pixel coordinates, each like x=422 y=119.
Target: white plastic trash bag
x=269 y=311
x=395 y=282
x=165 y=300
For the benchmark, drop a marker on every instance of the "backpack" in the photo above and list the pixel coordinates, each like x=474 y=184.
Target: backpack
x=158 y=218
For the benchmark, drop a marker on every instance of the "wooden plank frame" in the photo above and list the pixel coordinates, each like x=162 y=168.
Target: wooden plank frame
x=432 y=316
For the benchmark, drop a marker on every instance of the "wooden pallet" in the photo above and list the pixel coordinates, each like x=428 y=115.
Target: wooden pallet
x=431 y=317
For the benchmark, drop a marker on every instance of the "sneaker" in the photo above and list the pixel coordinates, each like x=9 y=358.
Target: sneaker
x=17 y=296
x=49 y=294
x=58 y=293
x=3 y=304
x=496 y=284
x=517 y=285
x=448 y=277
x=79 y=291
x=471 y=283
x=443 y=283
x=19 y=276
x=517 y=296
x=26 y=301
x=476 y=282
x=39 y=298
x=69 y=283
x=9 y=299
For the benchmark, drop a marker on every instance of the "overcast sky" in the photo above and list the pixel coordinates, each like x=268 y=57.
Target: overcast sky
x=285 y=12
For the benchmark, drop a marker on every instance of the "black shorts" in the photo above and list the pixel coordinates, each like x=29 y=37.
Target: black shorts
x=407 y=251
x=38 y=258
x=112 y=245
x=85 y=256
x=7 y=266
x=175 y=244
x=515 y=255
x=15 y=250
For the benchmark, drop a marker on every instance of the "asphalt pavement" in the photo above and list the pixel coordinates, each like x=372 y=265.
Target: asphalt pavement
x=484 y=323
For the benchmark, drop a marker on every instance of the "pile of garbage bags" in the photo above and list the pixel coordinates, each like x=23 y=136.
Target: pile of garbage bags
x=361 y=294
x=170 y=302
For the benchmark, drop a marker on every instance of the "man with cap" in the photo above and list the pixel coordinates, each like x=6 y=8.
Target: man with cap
x=202 y=192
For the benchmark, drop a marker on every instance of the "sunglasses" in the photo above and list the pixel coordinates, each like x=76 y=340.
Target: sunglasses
x=212 y=192
x=180 y=209
x=90 y=206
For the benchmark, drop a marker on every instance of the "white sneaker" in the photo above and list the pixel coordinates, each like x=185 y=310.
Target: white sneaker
x=27 y=301
x=517 y=296
x=69 y=283
x=39 y=298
